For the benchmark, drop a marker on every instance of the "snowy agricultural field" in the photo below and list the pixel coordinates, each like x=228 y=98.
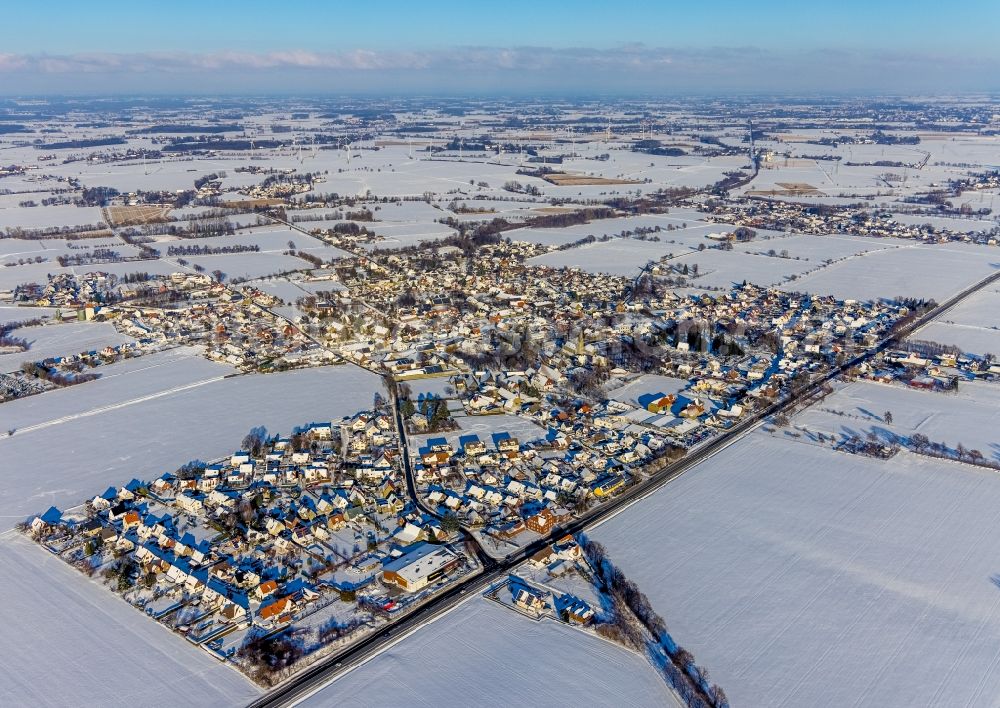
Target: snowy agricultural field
x=401 y=235
x=270 y=239
x=12 y=249
x=38 y=272
x=694 y=232
x=942 y=222
x=120 y=384
x=50 y=340
x=937 y=272
x=72 y=642
x=13 y=313
x=488 y=655
x=245 y=266
x=726 y=269
x=43 y=217
x=970 y=416
x=969 y=338
x=616 y=257
x=816 y=247
x=145 y=436
x=775 y=560
x=973 y=325
x=408 y=211
x=389 y=173
x=166 y=174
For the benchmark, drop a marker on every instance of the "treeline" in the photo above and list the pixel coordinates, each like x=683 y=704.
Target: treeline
x=630 y=607
x=106 y=255
x=83 y=143
x=351 y=228
x=206 y=143
x=210 y=250
x=182 y=128
x=655 y=147
x=70 y=233
x=98 y=196
x=315 y=260
x=16 y=342
x=53 y=376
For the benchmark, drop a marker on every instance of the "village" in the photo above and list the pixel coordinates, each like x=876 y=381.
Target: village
x=310 y=535
x=489 y=354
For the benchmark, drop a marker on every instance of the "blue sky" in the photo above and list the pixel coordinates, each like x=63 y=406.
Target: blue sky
x=415 y=46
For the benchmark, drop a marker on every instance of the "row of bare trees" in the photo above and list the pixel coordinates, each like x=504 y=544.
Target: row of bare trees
x=633 y=621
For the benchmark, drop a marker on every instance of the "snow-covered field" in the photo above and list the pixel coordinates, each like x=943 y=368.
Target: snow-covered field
x=973 y=326
x=694 y=230
x=801 y=576
x=481 y=654
x=270 y=239
x=39 y=272
x=61 y=340
x=919 y=271
x=72 y=642
x=62 y=460
x=43 y=217
x=248 y=265
x=729 y=268
x=123 y=381
x=970 y=416
x=616 y=257
x=20 y=314
x=814 y=247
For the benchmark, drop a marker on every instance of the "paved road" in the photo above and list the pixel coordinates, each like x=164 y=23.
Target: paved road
x=327 y=669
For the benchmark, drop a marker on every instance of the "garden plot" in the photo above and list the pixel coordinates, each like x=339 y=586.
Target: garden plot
x=499 y=657
x=52 y=340
x=970 y=416
x=936 y=272
x=146 y=436
x=71 y=635
x=774 y=561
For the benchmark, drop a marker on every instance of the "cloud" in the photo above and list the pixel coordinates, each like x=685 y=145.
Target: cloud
x=629 y=67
